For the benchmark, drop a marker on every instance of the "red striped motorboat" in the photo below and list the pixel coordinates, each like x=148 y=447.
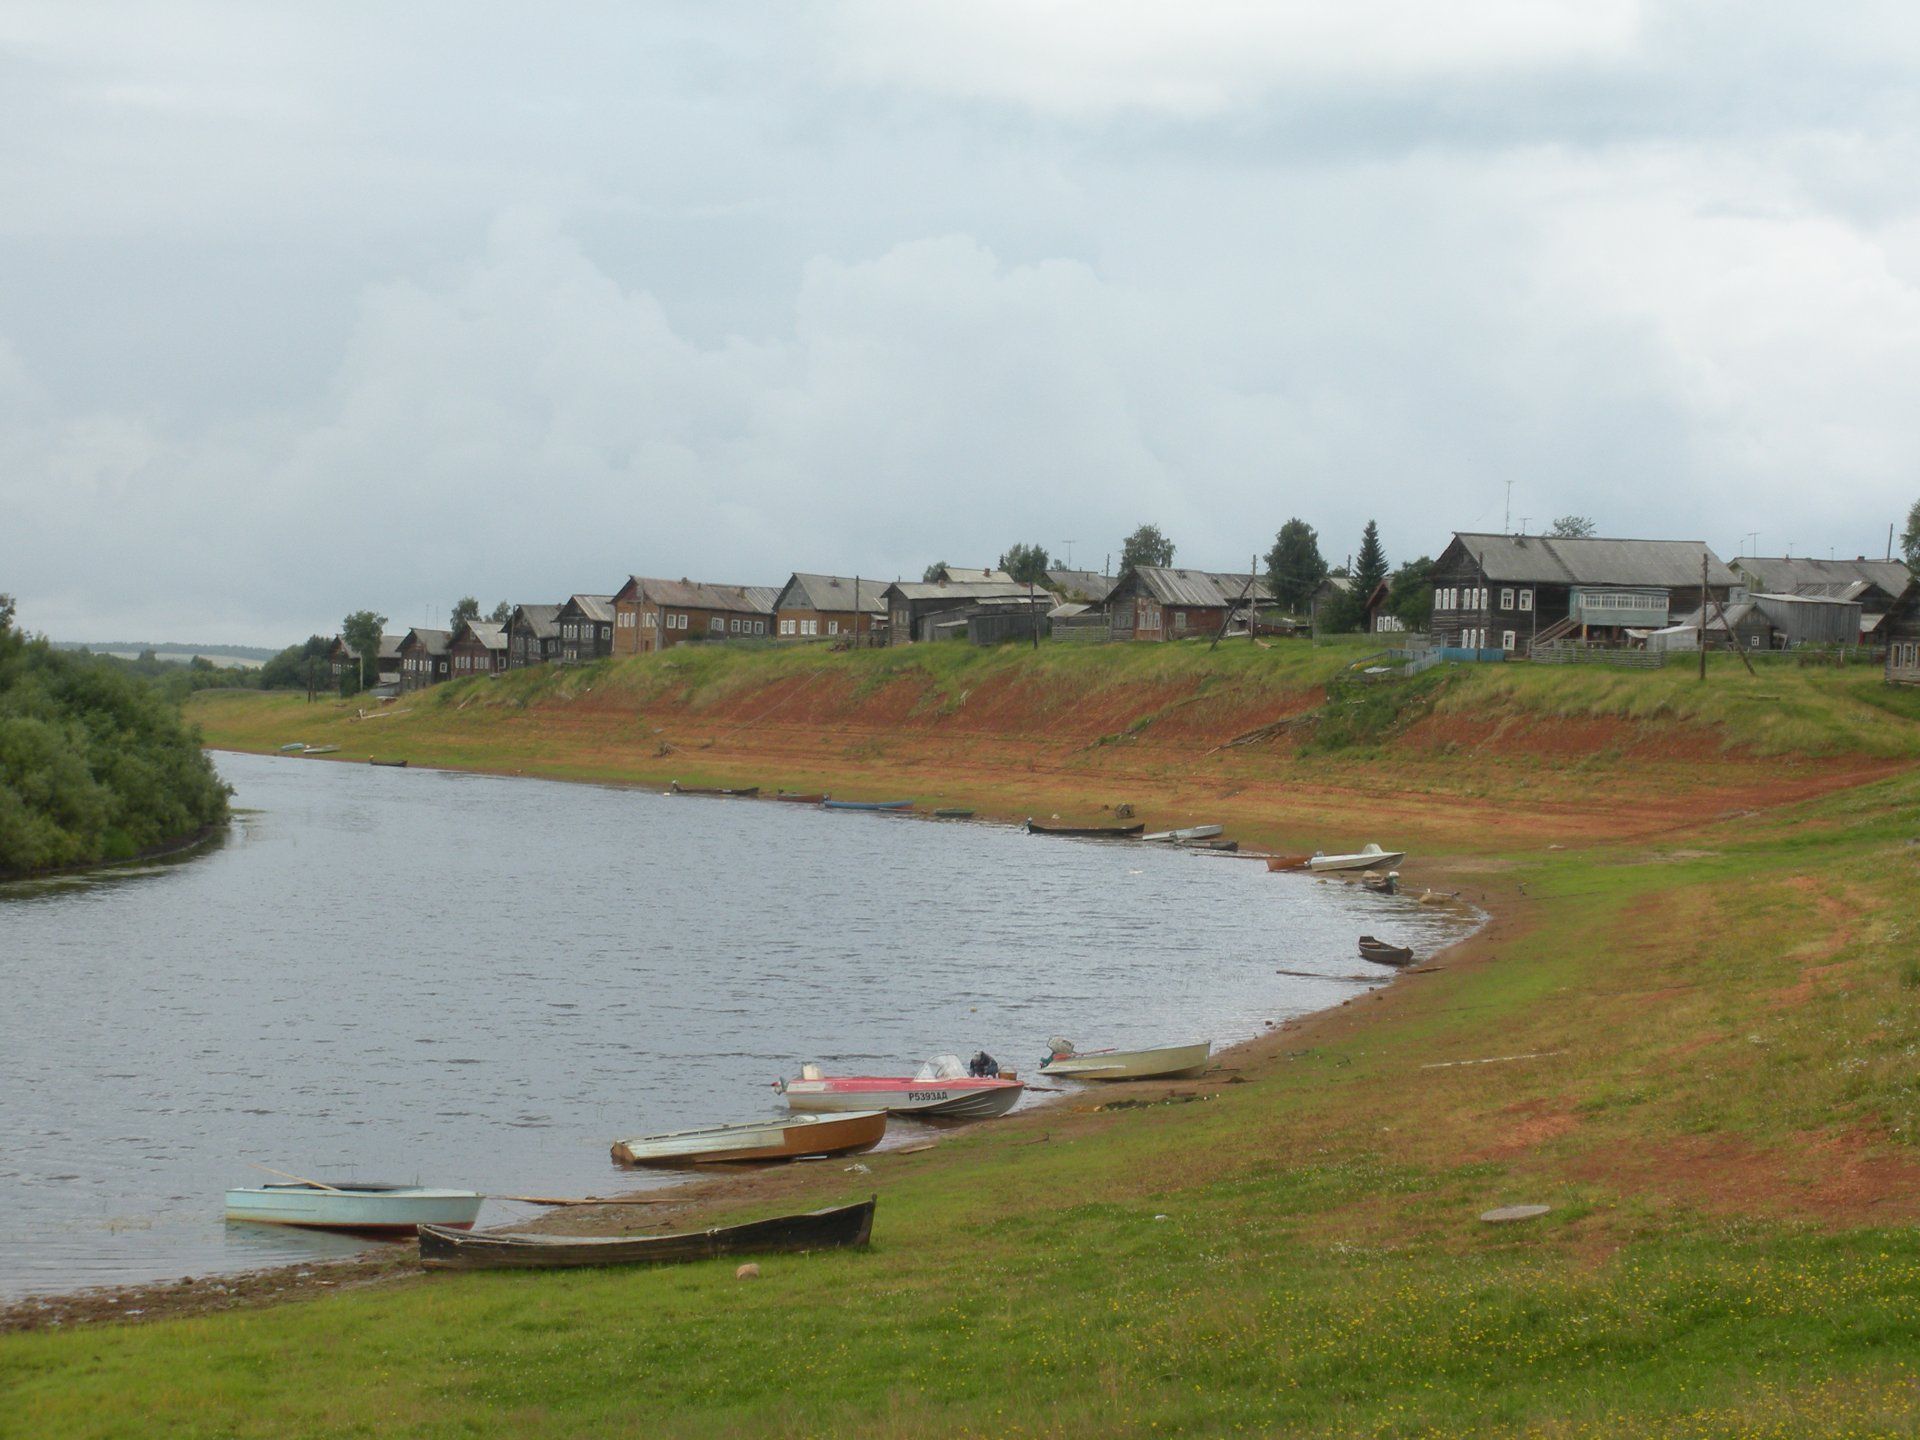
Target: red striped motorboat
x=936 y=1092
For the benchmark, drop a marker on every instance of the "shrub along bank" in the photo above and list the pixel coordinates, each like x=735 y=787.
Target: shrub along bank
x=94 y=764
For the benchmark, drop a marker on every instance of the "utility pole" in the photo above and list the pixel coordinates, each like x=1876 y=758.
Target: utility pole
x=1506 y=526
x=1069 y=544
x=1702 y=632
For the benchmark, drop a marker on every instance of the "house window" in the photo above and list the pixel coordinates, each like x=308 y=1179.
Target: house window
x=786 y=627
x=1506 y=600
x=606 y=632
x=809 y=627
x=650 y=620
x=1526 y=600
x=1506 y=640
x=759 y=627
x=833 y=627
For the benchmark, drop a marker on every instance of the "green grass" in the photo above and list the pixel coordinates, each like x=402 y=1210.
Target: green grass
x=1724 y=1117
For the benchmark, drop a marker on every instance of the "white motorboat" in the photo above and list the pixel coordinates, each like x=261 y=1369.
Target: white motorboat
x=941 y=1089
x=1371 y=858
x=1161 y=1062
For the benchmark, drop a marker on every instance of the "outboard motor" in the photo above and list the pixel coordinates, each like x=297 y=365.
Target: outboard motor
x=983 y=1066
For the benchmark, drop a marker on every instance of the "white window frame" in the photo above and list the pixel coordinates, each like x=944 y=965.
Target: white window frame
x=1507 y=640
x=1506 y=599
x=1526 y=601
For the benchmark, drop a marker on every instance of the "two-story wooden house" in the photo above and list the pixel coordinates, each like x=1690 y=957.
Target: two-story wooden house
x=533 y=635
x=423 y=658
x=652 y=615
x=478 y=647
x=1153 y=602
x=825 y=607
x=1509 y=592
x=585 y=624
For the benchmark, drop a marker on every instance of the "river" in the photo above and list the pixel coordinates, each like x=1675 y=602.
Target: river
x=483 y=982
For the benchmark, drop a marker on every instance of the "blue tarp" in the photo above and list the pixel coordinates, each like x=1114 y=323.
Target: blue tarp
x=1455 y=652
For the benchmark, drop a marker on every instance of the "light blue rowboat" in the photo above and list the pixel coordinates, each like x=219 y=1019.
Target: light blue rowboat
x=867 y=804
x=363 y=1209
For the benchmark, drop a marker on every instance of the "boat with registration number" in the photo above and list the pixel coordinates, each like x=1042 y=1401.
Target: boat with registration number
x=942 y=1089
x=355 y=1207
x=781 y=1137
x=839 y=1227
x=1159 y=1062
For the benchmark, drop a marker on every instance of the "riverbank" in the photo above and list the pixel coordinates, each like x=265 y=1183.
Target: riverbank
x=1688 y=1029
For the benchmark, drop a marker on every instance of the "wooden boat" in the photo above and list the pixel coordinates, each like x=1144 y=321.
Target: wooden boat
x=1382 y=953
x=953 y=814
x=358 y=1208
x=941 y=1090
x=784 y=1137
x=1186 y=836
x=1371 y=858
x=1288 y=862
x=1218 y=847
x=1087 y=832
x=868 y=804
x=1387 y=884
x=842 y=1227
x=795 y=797
x=395 y=764
x=1162 y=1062
x=676 y=788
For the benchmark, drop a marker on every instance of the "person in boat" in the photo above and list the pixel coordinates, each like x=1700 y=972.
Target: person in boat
x=983 y=1067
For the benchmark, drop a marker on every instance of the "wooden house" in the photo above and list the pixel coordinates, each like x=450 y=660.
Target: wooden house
x=423 y=658
x=533 y=635
x=961 y=575
x=1899 y=631
x=1510 y=592
x=1083 y=587
x=389 y=662
x=343 y=659
x=1874 y=584
x=820 y=607
x=1152 y=602
x=910 y=602
x=585 y=624
x=1375 y=617
x=652 y=614
x=478 y=647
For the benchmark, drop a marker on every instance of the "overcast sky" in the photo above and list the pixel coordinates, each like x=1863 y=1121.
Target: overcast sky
x=316 y=307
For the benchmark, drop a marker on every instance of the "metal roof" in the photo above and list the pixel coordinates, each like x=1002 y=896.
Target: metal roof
x=543 y=620
x=591 y=607
x=830 y=592
x=699 y=595
x=493 y=636
x=1804 y=576
x=1089 y=583
x=960 y=590
x=1206 y=589
x=1552 y=560
x=436 y=641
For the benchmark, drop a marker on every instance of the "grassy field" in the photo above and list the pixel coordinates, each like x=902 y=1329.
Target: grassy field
x=1708 y=963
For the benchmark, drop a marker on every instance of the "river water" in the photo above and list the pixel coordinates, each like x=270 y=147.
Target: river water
x=463 y=980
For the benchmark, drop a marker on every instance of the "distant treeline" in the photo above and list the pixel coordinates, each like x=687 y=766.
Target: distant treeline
x=95 y=761
x=298 y=667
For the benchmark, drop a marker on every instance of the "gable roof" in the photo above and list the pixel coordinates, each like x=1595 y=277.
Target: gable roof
x=960 y=574
x=698 y=595
x=1788 y=575
x=959 y=591
x=591 y=607
x=1552 y=560
x=1090 y=584
x=543 y=620
x=804 y=591
x=489 y=634
x=1205 y=589
x=390 y=646
x=435 y=641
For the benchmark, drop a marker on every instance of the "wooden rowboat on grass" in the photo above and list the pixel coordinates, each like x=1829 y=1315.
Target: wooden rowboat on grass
x=785 y=1137
x=842 y=1227
x=1381 y=953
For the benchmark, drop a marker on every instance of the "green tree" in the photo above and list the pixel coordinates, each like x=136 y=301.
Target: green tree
x=1572 y=527
x=1295 y=566
x=361 y=630
x=1410 y=594
x=502 y=613
x=294 y=668
x=464 y=609
x=1026 y=563
x=932 y=572
x=1910 y=538
x=1145 y=546
x=1371 y=568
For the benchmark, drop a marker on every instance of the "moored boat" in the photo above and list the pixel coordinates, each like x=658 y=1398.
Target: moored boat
x=953 y=813
x=1187 y=835
x=1381 y=953
x=676 y=788
x=293 y=748
x=784 y=1137
x=392 y=764
x=358 y=1208
x=868 y=804
x=1370 y=858
x=838 y=1228
x=942 y=1089
x=1086 y=832
x=1159 y=1062
x=798 y=797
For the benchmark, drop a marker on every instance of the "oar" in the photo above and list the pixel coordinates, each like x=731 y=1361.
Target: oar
x=284 y=1175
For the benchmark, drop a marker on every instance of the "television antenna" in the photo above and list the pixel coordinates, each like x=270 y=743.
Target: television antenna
x=1069 y=545
x=1507 y=526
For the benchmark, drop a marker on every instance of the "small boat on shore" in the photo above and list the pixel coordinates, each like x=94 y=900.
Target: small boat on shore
x=942 y=1090
x=1381 y=953
x=785 y=1137
x=720 y=792
x=953 y=813
x=1086 y=832
x=355 y=1207
x=1187 y=836
x=867 y=804
x=840 y=1227
x=1161 y=1062
x=321 y=750
x=797 y=797
x=392 y=764
x=293 y=748
x=1371 y=858
x=1387 y=884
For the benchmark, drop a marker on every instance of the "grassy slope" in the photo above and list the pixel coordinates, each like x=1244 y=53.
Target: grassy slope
x=1727 y=1137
